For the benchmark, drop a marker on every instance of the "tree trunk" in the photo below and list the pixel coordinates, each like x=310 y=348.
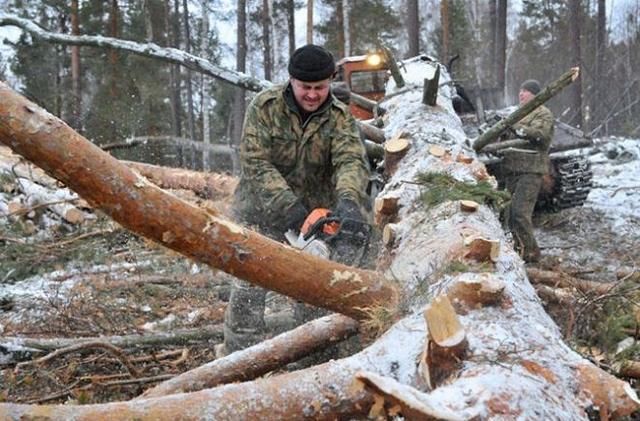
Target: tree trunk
x=145 y=209
x=267 y=49
x=174 y=72
x=76 y=105
x=309 y=21
x=501 y=50
x=291 y=25
x=600 y=66
x=204 y=94
x=340 y=27
x=346 y=14
x=516 y=366
x=413 y=28
x=187 y=47
x=238 y=95
x=575 y=25
x=444 y=22
x=543 y=96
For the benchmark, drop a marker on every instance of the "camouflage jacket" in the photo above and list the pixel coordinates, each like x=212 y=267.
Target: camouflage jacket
x=284 y=160
x=537 y=128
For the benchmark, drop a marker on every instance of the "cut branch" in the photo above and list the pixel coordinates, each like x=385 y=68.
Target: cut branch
x=170 y=55
x=84 y=347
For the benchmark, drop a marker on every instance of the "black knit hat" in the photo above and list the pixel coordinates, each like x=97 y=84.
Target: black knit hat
x=311 y=63
x=532 y=86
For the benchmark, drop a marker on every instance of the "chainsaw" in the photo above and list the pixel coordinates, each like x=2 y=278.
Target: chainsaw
x=343 y=240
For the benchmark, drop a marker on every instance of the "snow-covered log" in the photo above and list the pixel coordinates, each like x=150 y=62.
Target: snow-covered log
x=515 y=364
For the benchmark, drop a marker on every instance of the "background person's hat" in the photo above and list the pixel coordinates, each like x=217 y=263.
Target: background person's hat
x=311 y=63
x=532 y=86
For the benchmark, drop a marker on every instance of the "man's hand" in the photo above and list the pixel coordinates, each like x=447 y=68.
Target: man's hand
x=295 y=216
x=347 y=209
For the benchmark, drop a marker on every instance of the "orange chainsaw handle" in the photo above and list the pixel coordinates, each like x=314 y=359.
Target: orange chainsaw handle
x=330 y=228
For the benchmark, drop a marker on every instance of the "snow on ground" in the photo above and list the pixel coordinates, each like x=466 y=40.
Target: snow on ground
x=604 y=234
x=617 y=182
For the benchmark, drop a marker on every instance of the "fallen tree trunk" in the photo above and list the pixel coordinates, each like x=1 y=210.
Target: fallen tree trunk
x=204 y=236
x=175 y=337
x=207 y=185
x=517 y=365
x=255 y=361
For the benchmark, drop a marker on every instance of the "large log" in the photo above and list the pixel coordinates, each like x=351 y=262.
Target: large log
x=517 y=365
x=204 y=236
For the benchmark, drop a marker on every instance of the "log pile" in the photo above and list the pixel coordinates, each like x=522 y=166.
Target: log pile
x=487 y=348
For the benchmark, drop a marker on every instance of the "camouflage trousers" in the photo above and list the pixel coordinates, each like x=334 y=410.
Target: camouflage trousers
x=244 y=323
x=524 y=189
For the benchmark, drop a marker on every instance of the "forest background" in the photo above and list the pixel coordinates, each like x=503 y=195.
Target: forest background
x=110 y=96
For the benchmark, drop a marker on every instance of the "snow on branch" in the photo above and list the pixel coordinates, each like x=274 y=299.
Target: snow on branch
x=152 y=50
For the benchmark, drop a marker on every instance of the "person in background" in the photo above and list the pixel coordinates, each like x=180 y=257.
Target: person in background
x=524 y=168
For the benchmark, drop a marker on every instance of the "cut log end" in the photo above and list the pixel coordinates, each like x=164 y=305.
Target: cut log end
x=614 y=397
x=482 y=249
x=446 y=343
x=389 y=235
x=469 y=206
x=385 y=209
x=484 y=290
x=394 y=150
x=437 y=151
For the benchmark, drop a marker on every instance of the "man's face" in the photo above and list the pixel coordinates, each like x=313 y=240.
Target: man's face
x=310 y=95
x=524 y=96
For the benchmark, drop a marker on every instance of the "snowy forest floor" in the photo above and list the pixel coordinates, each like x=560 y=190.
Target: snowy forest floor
x=96 y=279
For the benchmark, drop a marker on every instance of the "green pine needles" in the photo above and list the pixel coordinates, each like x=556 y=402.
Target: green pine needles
x=443 y=187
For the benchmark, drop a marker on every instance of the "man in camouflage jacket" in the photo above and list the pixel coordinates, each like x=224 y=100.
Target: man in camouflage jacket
x=524 y=168
x=300 y=150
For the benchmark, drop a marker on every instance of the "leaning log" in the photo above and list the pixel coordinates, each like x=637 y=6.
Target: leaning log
x=147 y=210
x=517 y=365
x=543 y=96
